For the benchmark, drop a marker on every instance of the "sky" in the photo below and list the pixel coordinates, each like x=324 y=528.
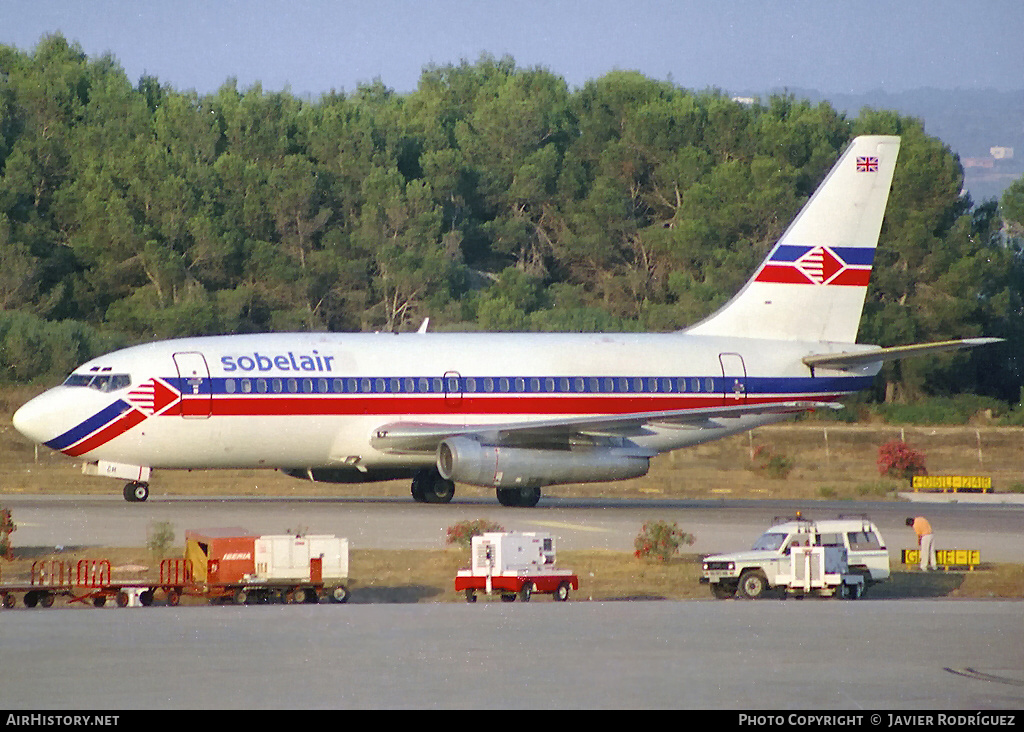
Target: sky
x=314 y=46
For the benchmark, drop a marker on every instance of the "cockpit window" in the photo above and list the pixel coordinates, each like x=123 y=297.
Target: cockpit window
x=99 y=382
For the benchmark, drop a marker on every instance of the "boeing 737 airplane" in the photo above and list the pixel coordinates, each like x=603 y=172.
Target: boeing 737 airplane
x=514 y=411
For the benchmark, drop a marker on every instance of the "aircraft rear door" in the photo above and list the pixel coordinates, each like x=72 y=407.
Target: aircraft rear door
x=734 y=381
x=195 y=385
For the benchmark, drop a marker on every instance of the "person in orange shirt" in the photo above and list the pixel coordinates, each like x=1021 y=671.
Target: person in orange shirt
x=925 y=541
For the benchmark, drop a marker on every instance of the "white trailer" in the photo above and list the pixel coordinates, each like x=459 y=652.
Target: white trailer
x=515 y=565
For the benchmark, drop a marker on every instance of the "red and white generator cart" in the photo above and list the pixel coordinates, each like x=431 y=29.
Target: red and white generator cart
x=515 y=565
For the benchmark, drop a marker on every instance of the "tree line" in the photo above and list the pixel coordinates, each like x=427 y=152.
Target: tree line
x=492 y=197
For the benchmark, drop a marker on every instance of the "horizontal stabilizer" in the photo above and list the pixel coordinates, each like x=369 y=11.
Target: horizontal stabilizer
x=847 y=359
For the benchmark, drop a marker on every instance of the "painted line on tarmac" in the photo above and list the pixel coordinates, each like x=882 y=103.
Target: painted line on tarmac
x=572 y=527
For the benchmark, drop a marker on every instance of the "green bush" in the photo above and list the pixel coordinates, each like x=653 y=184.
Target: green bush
x=7 y=527
x=660 y=540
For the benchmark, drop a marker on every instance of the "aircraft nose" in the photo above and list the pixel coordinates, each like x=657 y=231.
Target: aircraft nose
x=39 y=418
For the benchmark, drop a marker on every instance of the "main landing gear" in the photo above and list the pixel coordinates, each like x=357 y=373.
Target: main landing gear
x=429 y=487
x=136 y=491
x=521 y=497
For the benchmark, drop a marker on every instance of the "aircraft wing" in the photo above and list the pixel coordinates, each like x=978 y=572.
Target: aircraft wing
x=853 y=359
x=408 y=437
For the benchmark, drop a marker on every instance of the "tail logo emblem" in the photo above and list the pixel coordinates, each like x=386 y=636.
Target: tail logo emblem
x=818 y=266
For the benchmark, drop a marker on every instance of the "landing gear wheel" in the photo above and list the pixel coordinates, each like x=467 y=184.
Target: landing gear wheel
x=753 y=585
x=136 y=491
x=562 y=592
x=429 y=487
x=518 y=497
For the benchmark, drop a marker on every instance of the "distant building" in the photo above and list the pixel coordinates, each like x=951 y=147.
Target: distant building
x=1001 y=153
x=744 y=100
x=978 y=162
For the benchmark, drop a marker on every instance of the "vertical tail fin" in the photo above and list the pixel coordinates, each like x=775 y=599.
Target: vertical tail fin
x=811 y=287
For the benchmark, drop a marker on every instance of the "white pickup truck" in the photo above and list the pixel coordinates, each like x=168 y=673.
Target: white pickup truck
x=833 y=557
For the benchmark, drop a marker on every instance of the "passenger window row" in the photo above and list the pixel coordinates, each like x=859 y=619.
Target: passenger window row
x=473 y=385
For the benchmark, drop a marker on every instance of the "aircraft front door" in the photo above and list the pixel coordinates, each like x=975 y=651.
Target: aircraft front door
x=195 y=384
x=734 y=381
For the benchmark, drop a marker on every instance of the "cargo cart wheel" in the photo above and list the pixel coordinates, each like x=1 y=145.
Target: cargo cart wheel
x=562 y=592
x=99 y=601
x=508 y=597
x=9 y=600
x=240 y=597
x=338 y=593
x=46 y=599
x=173 y=597
x=297 y=596
x=146 y=598
x=753 y=584
x=526 y=591
x=31 y=598
x=122 y=599
x=312 y=596
x=470 y=595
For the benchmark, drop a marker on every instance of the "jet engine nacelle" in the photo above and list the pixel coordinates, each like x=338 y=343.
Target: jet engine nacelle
x=467 y=461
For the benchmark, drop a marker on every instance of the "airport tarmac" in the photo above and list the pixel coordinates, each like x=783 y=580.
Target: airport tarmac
x=706 y=654
x=702 y=654
x=397 y=523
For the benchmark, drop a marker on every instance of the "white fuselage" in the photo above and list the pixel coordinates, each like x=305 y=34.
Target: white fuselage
x=315 y=400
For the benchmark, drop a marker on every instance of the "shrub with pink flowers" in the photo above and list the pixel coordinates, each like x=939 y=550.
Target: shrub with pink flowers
x=461 y=533
x=660 y=540
x=897 y=459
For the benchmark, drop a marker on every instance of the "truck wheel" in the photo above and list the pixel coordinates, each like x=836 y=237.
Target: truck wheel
x=526 y=591
x=722 y=591
x=562 y=592
x=338 y=593
x=849 y=592
x=753 y=584
x=240 y=597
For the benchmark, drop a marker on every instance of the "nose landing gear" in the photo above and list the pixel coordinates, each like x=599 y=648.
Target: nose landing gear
x=136 y=491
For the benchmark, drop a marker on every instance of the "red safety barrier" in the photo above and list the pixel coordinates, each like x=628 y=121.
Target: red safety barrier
x=92 y=573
